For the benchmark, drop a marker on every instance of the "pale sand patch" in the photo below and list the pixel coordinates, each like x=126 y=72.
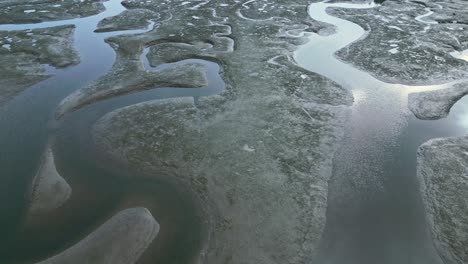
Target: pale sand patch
x=120 y=240
x=50 y=190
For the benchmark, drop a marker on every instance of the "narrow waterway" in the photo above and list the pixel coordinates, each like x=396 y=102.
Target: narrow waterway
x=375 y=214
x=24 y=120
x=100 y=187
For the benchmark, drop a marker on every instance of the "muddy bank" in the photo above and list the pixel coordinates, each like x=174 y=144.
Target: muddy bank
x=128 y=19
x=129 y=76
x=49 y=189
x=26 y=55
x=262 y=150
x=21 y=12
x=253 y=172
x=257 y=157
x=436 y=104
x=120 y=240
x=409 y=42
x=443 y=177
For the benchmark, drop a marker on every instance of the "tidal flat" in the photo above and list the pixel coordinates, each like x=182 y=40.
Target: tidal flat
x=409 y=43
x=233 y=131
x=27 y=55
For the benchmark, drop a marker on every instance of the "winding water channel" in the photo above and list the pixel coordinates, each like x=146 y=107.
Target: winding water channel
x=374 y=215
x=374 y=212
x=99 y=191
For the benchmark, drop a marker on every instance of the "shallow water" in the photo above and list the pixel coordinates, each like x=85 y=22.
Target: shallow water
x=25 y=119
x=375 y=214
x=28 y=124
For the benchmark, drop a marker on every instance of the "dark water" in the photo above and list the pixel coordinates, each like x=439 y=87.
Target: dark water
x=24 y=120
x=375 y=213
x=100 y=186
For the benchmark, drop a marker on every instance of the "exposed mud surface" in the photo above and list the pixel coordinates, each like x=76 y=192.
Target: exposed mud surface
x=410 y=42
x=236 y=165
x=260 y=151
x=443 y=176
x=129 y=19
x=120 y=240
x=22 y=11
x=24 y=55
x=374 y=196
x=436 y=104
x=49 y=189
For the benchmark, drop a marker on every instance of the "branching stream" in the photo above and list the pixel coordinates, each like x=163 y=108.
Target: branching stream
x=374 y=211
x=98 y=191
